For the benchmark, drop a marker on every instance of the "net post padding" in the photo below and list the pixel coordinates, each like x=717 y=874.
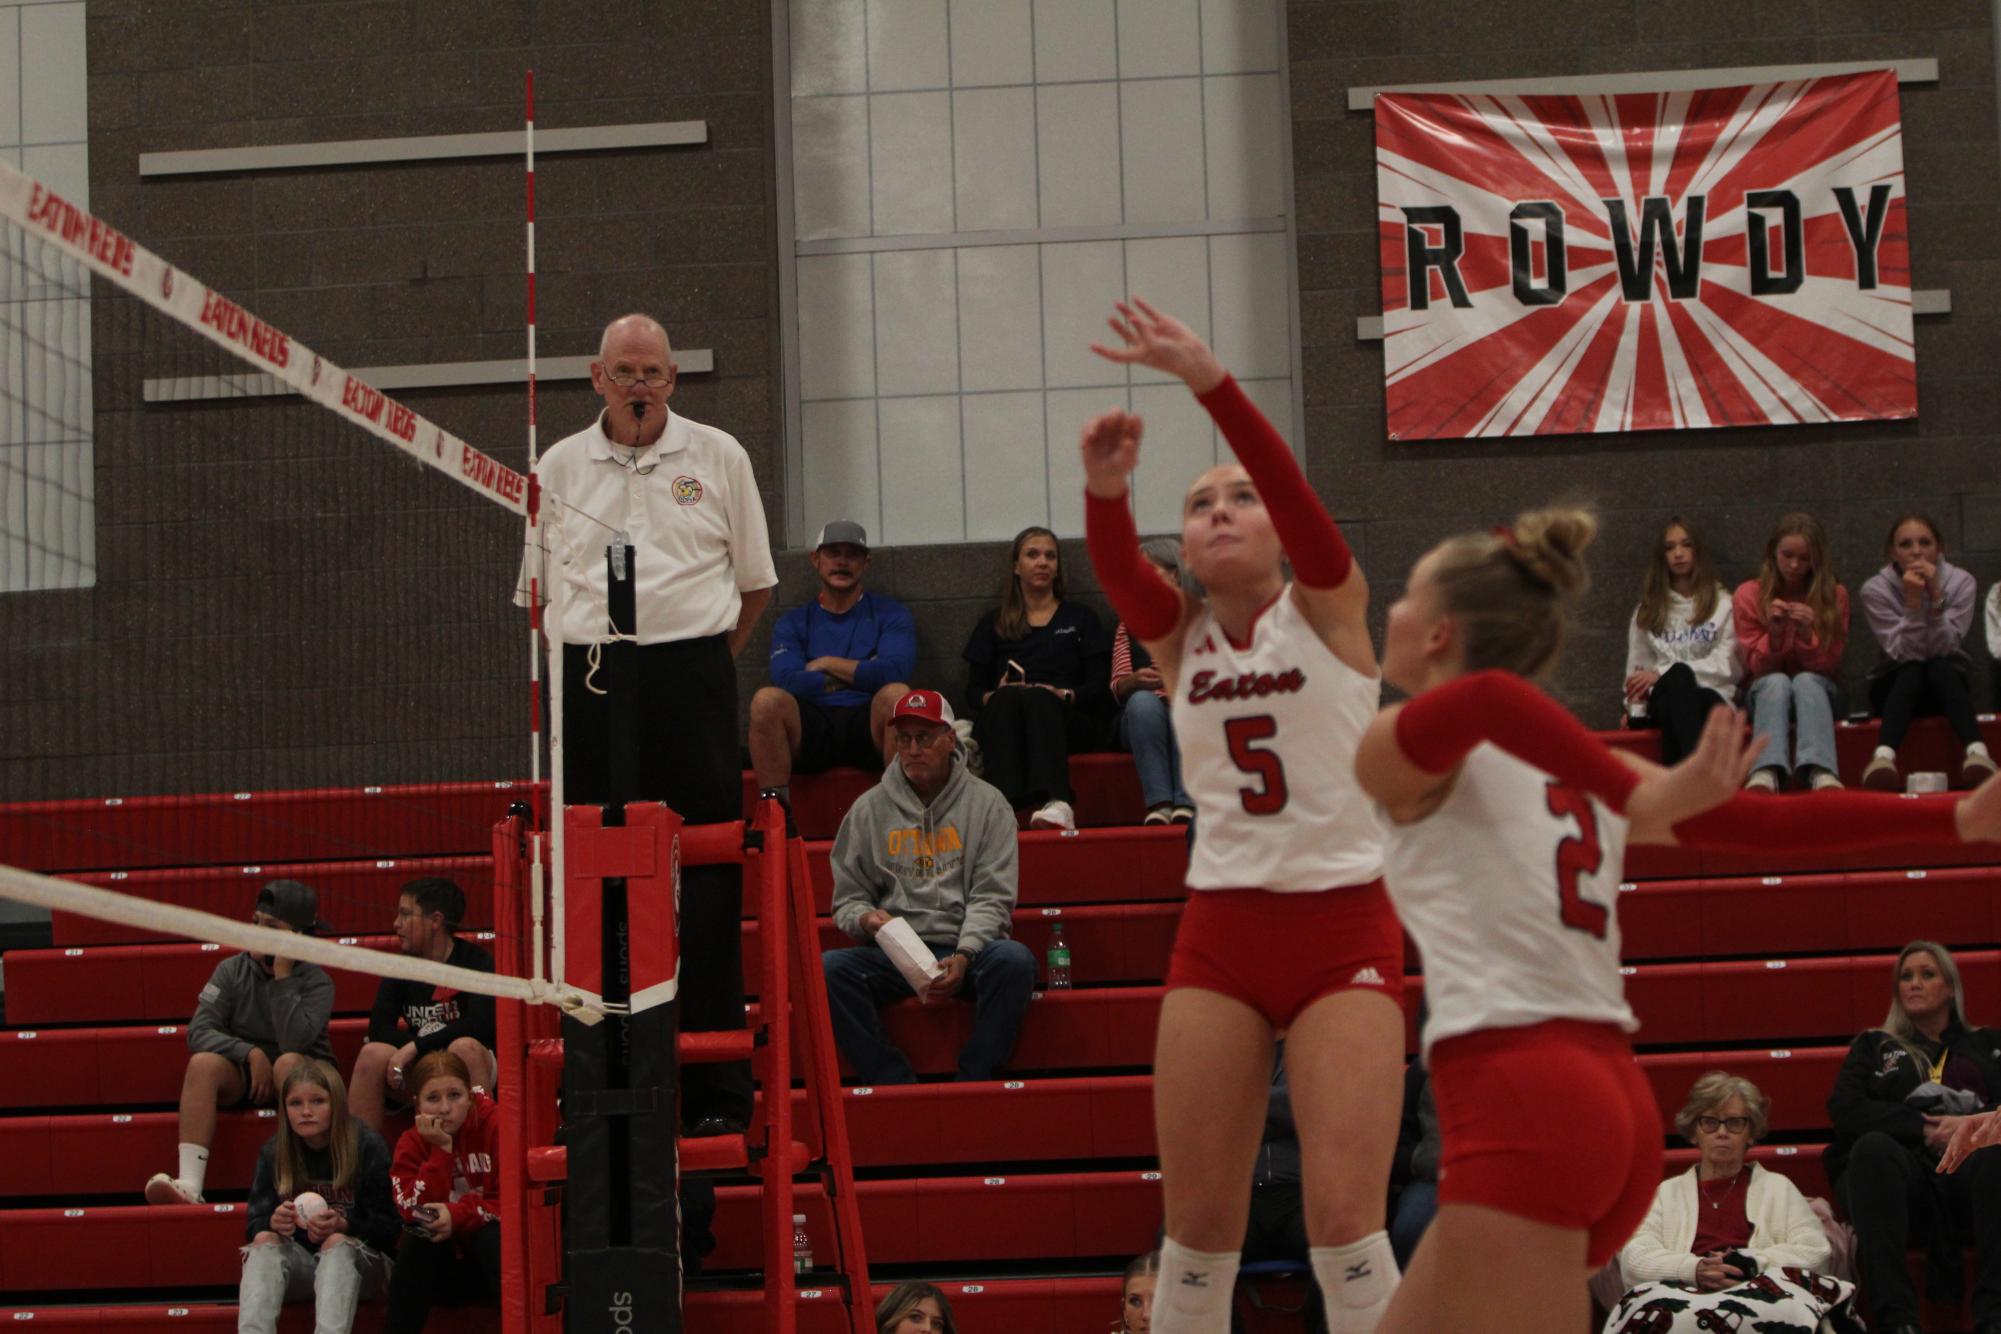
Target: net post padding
x=510 y=1036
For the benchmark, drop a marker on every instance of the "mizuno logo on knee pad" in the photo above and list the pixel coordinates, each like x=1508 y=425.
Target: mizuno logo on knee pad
x=1360 y=1270
x=1194 y=1279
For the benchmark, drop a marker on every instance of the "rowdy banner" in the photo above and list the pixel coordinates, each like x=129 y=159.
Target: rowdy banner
x=1644 y=261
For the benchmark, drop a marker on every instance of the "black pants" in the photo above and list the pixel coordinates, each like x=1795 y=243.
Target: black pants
x=1894 y=1196
x=1936 y=685
x=1026 y=735
x=1679 y=707
x=688 y=759
x=426 y=1271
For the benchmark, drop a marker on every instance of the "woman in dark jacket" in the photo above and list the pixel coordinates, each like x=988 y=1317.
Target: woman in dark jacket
x=1900 y=1093
x=1039 y=675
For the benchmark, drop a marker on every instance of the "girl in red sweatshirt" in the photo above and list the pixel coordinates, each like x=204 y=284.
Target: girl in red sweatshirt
x=1792 y=628
x=446 y=1175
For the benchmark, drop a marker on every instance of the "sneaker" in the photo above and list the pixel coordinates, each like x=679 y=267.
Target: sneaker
x=1160 y=814
x=1054 y=815
x=1881 y=774
x=1764 y=780
x=1824 y=780
x=1184 y=815
x=163 y=1189
x=1976 y=768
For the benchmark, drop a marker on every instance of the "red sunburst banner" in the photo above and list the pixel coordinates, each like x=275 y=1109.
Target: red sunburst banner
x=1644 y=261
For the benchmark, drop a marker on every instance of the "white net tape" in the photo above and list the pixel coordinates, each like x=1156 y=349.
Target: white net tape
x=129 y=910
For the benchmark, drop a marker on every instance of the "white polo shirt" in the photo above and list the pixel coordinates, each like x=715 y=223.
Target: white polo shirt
x=691 y=510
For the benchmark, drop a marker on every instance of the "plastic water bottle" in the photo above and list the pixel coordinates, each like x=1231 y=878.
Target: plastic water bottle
x=802 y=1246
x=1059 y=961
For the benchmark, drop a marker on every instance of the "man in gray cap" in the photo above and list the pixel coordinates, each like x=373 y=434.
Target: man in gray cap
x=839 y=663
x=258 y=1017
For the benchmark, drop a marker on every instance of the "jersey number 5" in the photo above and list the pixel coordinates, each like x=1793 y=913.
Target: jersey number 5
x=1576 y=856
x=1269 y=799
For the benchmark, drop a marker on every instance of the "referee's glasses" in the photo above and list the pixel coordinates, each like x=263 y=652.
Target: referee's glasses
x=626 y=381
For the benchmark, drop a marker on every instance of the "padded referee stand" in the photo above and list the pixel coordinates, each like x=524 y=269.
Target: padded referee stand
x=783 y=1141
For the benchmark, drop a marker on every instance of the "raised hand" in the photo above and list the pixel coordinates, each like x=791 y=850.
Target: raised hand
x=1162 y=343
x=1712 y=774
x=1110 y=447
x=1978 y=815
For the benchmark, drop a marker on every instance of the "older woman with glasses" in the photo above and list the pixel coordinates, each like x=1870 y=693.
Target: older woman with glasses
x=1726 y=1227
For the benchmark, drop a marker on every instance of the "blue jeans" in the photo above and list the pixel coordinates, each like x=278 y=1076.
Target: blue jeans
x=1777 y=700
x=1417 y=1203
x=1146 y=728
x=861 y=980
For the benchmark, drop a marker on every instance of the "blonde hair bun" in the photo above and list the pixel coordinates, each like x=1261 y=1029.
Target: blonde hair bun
x=1550 y=545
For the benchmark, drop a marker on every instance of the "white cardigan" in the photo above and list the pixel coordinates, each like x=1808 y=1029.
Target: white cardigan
x=1784 y=1230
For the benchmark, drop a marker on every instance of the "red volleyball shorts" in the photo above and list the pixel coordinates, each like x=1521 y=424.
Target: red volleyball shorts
x=1553 y=1122
x=1278 y=953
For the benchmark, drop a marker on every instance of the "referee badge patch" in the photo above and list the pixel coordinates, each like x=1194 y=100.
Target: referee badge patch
x=687 y=491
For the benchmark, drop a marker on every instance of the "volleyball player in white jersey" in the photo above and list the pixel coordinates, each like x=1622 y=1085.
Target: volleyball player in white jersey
x=1506 y=836
x=1288 y=928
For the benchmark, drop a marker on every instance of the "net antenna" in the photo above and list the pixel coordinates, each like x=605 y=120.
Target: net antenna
x=546 y=845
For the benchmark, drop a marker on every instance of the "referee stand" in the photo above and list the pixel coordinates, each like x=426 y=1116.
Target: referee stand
x=591 y=1227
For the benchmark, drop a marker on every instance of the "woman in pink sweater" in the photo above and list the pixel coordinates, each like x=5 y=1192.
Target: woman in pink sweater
x=1792 y=628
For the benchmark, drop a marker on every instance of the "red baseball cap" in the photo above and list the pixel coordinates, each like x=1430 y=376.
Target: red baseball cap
x=927 y=705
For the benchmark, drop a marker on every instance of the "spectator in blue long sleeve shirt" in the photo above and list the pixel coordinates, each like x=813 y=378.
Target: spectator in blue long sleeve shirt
x=838 y=665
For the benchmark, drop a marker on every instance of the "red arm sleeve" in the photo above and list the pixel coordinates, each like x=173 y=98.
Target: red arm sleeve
x=1312 y=540
x=1833 y=821
x=1149 y=606
x=1438 y=728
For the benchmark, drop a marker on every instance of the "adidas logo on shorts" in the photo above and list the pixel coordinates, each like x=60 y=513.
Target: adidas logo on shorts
x=1367 y=977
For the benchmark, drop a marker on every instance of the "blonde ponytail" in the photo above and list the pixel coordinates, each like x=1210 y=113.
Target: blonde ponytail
x=1508 y=590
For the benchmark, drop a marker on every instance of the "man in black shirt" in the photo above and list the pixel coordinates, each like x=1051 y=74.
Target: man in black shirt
x=413 y=1018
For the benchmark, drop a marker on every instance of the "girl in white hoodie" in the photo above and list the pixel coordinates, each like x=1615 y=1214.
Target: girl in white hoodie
x=1681 y=646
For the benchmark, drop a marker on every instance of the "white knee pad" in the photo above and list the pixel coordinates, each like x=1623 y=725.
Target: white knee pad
x=1356 y=1282
x=1192 y=1295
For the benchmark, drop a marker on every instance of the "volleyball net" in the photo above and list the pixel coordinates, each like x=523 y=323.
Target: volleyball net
x=258 y=618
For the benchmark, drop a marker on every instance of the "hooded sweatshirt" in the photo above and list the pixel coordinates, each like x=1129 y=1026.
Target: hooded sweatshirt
x=243 y=1007
x=949 y=869
x=370 y=1209
x=1708 y=647
x=464 y=1178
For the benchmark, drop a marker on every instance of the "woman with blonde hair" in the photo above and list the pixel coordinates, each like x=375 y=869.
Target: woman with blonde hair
x=1901 y=1095
x=1723 y=1223
x=1136 y=1295
x=1507 y=829
x=1792 y=625
x=915 y=1308
x=321 y=1220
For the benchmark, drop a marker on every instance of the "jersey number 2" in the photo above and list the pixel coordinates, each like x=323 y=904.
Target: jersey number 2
x=1269 y=799
x=1578 y=855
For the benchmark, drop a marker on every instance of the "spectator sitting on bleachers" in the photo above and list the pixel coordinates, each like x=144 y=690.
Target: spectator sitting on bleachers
x=838 y=663
x=1726 y=1231
x=1136 y=1294
x=411 y=1019
x=1039 y=674
x=446 y=1175
x=1994 y=631
x=1920 y=607
x=1146 y=722
x=914 y=1308
x=934 y=846
x=1792 y=628
x=1895 y=1105
x=1414 y=1174
x=257 y=1018
x=1681 y=645
x=333 y=1249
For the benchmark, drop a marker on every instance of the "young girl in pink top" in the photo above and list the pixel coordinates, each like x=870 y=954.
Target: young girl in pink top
x=1792 y=628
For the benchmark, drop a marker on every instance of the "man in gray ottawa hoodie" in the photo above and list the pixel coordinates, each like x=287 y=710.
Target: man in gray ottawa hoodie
x=935 y=846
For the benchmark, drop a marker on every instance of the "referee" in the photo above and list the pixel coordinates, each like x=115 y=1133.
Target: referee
x=684 y=496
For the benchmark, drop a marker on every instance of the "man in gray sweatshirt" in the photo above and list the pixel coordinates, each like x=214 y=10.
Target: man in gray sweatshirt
x=258 y=1017
x=935 y=846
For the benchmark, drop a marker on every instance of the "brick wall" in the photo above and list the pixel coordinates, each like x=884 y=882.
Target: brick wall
x=279 y=601
x=236 y=638
x=1733 y=484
